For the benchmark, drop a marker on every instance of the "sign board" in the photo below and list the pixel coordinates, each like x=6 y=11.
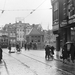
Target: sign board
x=71 y=21
x=55 y=27
x=64 y=23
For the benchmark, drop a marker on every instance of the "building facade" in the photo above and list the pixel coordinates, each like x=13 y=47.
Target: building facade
x=3 y=39
x=18 y=31
x=66 y=20
x=35 y=36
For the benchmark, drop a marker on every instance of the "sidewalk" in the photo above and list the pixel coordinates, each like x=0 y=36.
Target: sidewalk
x=57 y=57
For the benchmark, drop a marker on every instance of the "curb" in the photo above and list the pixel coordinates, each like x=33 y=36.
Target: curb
x=67 y=63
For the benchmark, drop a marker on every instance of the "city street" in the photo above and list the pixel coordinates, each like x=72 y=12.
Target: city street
x=32 y=62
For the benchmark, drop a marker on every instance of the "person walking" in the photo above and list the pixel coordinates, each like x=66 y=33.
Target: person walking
x=9 y=48
x=25 y=46
x=52 y=51
x=47 y=52
x=0 y=53
x=72 y=52
x=64 y=53
x=28 y=46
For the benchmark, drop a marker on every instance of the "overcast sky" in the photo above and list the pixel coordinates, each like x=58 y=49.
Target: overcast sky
x=13 y=9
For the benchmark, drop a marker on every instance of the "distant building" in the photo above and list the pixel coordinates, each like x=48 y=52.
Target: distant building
x=35 y=36
x=18 y=31
x=3 y=39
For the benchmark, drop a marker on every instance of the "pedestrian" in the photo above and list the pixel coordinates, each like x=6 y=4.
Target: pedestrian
x=52 y=50
x=64 y=53
x=72 y=52
x=0 y=53
x=9 y=48
x=25 y=46
x=28 y=46
x=47 y=52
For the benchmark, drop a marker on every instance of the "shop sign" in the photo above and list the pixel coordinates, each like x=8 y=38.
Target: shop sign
x=71 y=21
x=56 y=27
x=63 y=24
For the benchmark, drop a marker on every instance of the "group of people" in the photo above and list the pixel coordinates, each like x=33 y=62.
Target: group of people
x=30 y=46
x=49 y=51
x=68 y=54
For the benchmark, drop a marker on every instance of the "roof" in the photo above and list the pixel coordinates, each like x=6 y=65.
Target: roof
x=35 y=31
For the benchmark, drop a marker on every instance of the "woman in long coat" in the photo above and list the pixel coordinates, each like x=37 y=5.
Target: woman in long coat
x=47 y=52
x=0 y=53
x=72 y=52
x=64 y=52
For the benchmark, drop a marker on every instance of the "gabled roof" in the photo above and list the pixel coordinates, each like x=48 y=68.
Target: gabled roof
x=35 y=31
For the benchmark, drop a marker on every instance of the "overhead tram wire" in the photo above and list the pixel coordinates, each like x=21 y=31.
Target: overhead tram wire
x=22 y=9
x=35 y=9
x=3 y=7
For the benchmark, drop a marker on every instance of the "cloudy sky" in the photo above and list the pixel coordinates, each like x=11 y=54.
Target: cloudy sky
x=18 y=9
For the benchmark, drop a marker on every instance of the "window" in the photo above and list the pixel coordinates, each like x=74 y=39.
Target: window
x=38 y=40
x=56 y=6
x=71 y=6
x=56 y=15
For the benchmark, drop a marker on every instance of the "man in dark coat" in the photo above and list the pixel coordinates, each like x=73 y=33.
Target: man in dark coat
x=9 y=48
x=47 y=51
x=52 y=50
x=28 y=46
x=25 y=46
x=64 y=52
x=72 y=52
x=0 y=53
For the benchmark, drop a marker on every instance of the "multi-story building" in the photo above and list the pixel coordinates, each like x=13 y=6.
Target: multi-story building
x=20 y=33
x=56 y=9
x=64 y=27
x=16 y=32
x=11 y=29
x=35 y=36
x=3 y=39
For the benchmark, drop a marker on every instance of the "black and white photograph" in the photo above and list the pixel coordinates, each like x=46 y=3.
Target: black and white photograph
x=37 y=37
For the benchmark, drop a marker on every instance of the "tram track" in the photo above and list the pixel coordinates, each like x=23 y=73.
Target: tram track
x=6 y=67
x=62 y=70
x=35 y=73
